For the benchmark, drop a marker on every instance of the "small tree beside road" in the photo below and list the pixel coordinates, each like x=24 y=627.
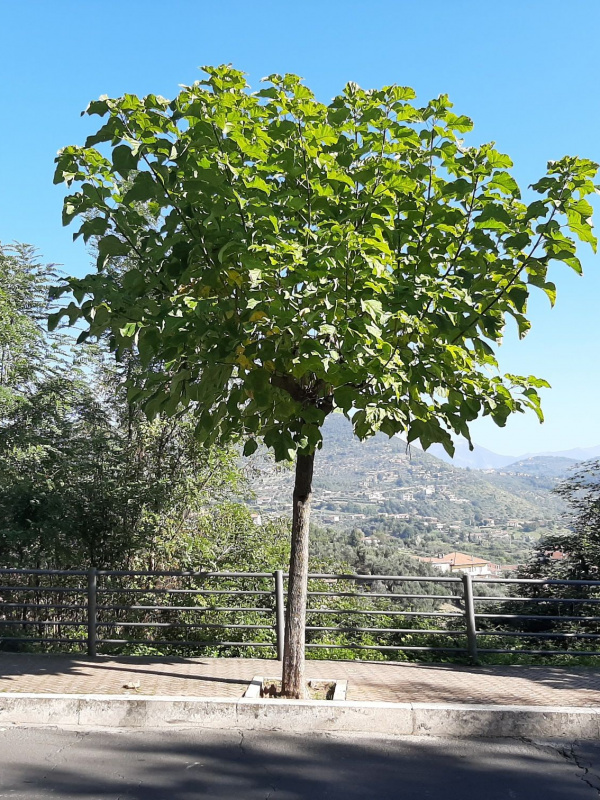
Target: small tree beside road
x=287 y=258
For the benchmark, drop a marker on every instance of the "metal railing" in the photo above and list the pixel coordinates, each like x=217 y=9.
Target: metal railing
x=122 y=610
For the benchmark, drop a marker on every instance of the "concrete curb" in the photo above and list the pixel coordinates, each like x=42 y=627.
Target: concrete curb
x=301 y=716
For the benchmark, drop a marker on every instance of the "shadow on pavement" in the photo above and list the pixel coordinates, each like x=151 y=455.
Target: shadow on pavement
x=186 y=764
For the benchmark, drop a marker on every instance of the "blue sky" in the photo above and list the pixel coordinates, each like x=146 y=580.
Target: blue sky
x=526 y=71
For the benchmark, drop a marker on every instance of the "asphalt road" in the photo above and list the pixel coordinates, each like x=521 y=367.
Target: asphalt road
x=181 y=764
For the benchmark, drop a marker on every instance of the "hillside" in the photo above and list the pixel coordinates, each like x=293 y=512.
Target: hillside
x=381 y=486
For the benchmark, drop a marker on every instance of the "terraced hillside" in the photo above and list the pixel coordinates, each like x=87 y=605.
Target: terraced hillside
x=385 y=488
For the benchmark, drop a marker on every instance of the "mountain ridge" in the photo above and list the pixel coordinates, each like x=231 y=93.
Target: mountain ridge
x=482 y=458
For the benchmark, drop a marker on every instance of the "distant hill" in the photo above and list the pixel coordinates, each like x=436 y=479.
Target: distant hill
x=577 y=453
x=478 y=458
x=550 y=466
x=481 y=458
x=383 y=486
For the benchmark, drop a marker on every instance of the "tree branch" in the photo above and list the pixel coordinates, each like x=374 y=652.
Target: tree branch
x=501 y=294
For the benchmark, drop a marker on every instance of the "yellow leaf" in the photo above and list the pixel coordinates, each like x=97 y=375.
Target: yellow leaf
x=257 y=315
x=244 y=361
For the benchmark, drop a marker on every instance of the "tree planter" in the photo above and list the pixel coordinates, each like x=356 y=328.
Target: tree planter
x=320 y=689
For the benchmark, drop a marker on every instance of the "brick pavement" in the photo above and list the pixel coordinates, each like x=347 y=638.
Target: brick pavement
x=370 y=681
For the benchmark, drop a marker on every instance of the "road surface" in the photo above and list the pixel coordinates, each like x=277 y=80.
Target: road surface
x=185 y=764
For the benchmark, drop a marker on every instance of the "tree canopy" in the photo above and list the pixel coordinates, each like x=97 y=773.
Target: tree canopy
x=574 y=555
x=25 y=346
x=85 y=478
x=288 y=257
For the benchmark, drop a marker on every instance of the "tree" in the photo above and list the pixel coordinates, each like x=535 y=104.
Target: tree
x=573 y=555
x=290 y=258
x=86 y=480
x=24 y=306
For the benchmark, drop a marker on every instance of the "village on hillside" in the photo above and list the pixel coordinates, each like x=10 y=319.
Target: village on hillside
x=385 y=490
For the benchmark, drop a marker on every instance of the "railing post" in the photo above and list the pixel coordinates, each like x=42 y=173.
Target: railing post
x=279 y=612
x=470 y=617
x=92 y=586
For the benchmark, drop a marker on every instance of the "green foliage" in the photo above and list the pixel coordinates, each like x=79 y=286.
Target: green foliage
x=580 y=546
x=568 y=619
x=24 y=305
x=84 y=481
x=287 y=257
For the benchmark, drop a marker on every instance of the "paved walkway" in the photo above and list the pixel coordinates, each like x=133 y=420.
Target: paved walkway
x=370 y=681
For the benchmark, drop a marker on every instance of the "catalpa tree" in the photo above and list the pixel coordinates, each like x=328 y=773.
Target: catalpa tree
x=272 y=258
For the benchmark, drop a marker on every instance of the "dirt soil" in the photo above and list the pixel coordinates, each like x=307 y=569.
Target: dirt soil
x=315 y=690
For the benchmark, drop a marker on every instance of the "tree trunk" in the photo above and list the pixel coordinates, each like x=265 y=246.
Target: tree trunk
x=293 y=682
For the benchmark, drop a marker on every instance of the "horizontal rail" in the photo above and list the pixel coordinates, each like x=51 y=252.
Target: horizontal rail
x=553 y=617
x=179 y=608
x=149 y=612
x=369 y=578
x=350 y=629
x=384 y=648
x=575 y=600
x=44 y=606
x=20 y=571
x=162 y=590
x=180 y=574
x=387 y=595
x=356 y=577
x=38 y=589
x=135 y=573
x=525 y=634
x=541 y=652
x=537 y=581
x=63 y=623
x=44 y=640
x=185 y=643
x=390 y=613
x=183 y=625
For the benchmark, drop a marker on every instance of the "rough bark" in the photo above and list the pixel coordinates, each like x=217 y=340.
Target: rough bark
x=293 y=682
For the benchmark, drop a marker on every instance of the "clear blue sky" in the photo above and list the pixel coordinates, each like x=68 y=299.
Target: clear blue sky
x=526 y=71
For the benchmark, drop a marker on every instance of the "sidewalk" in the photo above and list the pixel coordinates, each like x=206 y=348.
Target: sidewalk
x=389 y=682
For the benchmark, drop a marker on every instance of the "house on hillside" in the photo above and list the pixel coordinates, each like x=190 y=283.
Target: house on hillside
x=462 y=562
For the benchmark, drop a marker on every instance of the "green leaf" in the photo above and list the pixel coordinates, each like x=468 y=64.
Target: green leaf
x=493 y=217
x=250 y=446
x=373 y=308
x=129 y=330
x=461 y=124
x=110 y=245
x=124 y=160
x=54 y=319
x=505 y=182
x=144 y=188
x=498 y=160
x=344 y=397
x=518 y=297
x=583 y=230
x=96 y=226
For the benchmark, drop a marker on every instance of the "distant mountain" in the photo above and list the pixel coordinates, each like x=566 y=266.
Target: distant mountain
x=479 y=458
x=577 y=453
x=383 y=475
x=382 y=486
x=547 y=466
